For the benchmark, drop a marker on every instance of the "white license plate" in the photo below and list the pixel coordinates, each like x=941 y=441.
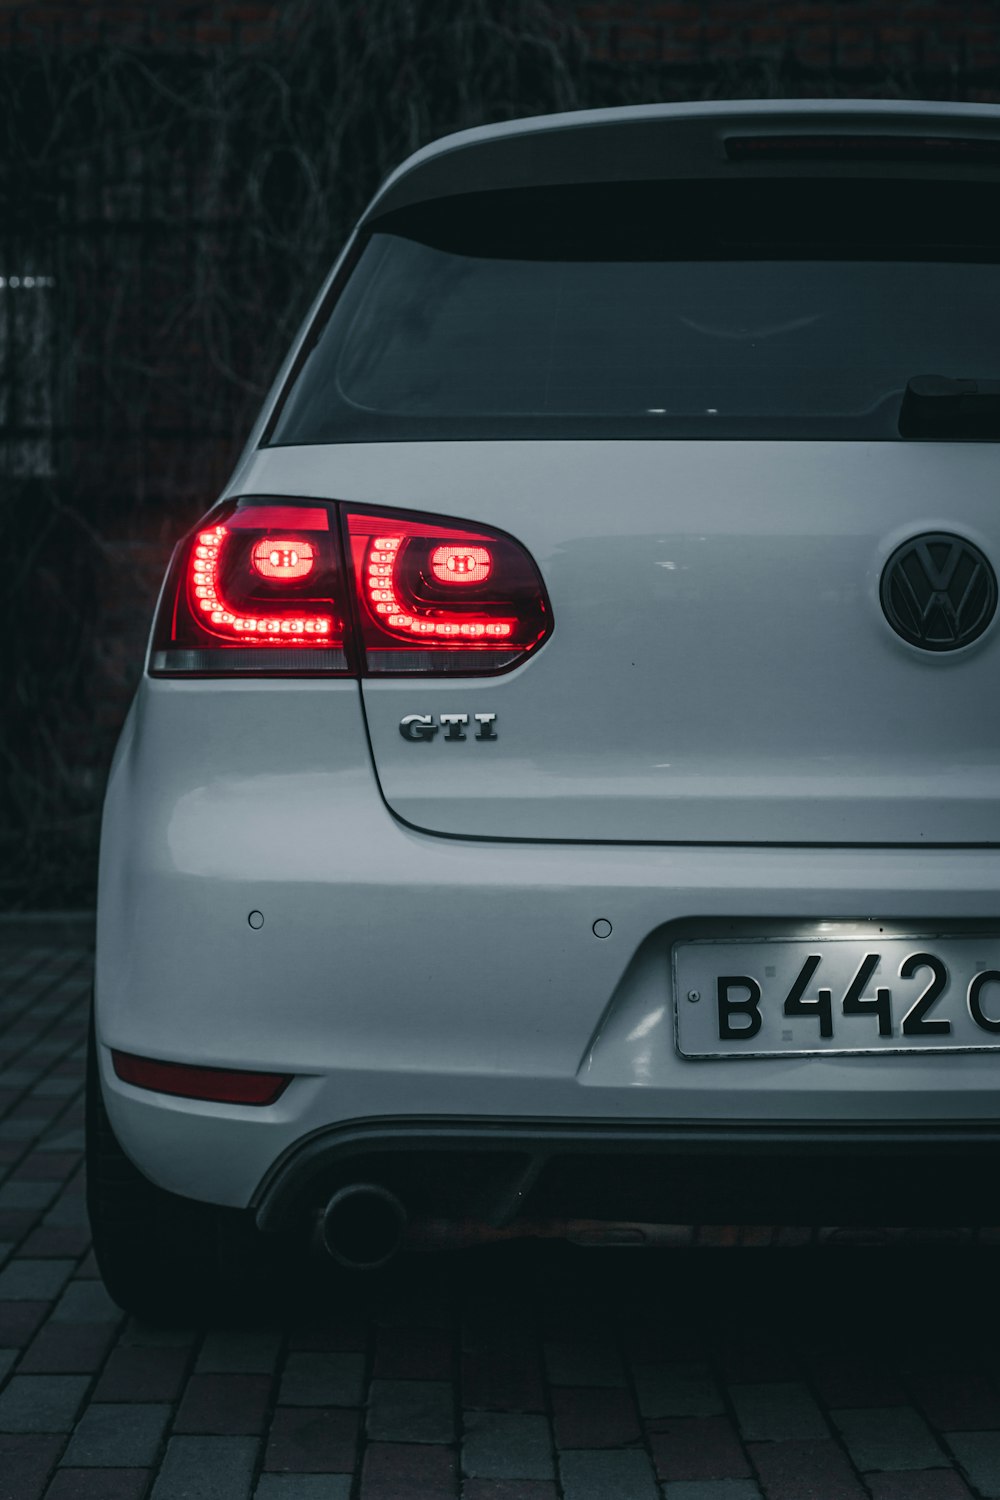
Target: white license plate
x=797 y=996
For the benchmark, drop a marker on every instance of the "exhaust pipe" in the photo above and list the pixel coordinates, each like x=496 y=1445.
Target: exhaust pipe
x=362 y=1226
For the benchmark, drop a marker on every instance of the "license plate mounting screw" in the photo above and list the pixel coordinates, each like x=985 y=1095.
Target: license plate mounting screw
x=694 y=996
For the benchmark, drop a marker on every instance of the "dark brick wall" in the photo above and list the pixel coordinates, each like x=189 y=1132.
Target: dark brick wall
x=915 y=35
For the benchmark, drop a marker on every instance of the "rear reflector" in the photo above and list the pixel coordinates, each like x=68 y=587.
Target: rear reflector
x=220 y=1085
x=266 y=589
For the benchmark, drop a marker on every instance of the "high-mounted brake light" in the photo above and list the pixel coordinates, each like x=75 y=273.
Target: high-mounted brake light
x=259 y=589
x=263 y=588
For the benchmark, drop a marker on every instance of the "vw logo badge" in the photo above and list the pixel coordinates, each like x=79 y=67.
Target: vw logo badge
x=938 y=591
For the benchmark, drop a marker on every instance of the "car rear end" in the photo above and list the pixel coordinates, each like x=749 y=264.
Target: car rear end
x=564 y=786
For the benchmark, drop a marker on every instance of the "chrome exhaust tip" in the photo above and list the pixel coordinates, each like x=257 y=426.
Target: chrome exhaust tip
x=362 y=1226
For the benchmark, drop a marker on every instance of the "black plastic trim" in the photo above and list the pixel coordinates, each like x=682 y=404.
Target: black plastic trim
x=537 y=1143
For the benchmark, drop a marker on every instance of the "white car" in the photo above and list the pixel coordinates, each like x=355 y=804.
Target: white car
x=564 y=788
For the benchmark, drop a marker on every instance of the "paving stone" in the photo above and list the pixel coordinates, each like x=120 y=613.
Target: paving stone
x=98 y=1484
x=55 y=1087
x=697 y=1448
x=69 y=1211
x=67 y=1349
x=414 y=1354
x=805 y=1467
x=47 y=1166
x=397 y=1471
x=889 y=1437
x=26 y=1460
x=86 y=1302
x=138 y=1374
x=117 y=1435
x=502 y=1445
x=65 y=1140
x=979 y=1455
x=206 y=1468
x=41 y=1403
x=783 y=1409
x=19 y=1321
x=232 y=1405
x=510 y=1489
x=234 y=1351
x=57 y=1242
x=303 y=1487
x=713 y=1489
x=335 y=1330
x=328 y=1379
x=26 y=1280
x=307 y=1439
x=411 y=1411
x=507 y=1380
x=594 y=1417
x=27 y=1194
x=676 y=1390
x=598 y=1476
x=927 y=1484
x=137 y=1335
x=583 y=1364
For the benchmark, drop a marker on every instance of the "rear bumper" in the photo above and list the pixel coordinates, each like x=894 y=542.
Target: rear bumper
x=500 y=1173
x=400 y=976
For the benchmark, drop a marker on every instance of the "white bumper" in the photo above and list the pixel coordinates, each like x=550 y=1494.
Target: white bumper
x=403 y=976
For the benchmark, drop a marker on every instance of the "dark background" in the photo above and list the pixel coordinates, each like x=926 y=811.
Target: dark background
x=175 y=180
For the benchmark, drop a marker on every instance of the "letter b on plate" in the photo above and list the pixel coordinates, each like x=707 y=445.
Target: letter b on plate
x=746 y=1006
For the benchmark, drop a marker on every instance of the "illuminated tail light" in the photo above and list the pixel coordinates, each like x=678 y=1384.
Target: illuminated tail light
x=435 y=597
x=267 y=589
x=187 y=1081
x=259 y=588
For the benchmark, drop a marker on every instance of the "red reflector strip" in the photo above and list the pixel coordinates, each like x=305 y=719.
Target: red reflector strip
x=185 y=1081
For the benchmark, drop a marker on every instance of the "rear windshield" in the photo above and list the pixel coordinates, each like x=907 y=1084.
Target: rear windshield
x=768 y=308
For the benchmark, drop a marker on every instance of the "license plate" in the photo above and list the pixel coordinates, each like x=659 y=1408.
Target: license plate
x=799 y=996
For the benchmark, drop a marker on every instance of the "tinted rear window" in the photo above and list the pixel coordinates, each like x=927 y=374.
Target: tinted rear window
x=768 y=308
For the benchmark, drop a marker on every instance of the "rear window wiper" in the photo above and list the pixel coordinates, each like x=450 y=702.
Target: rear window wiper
x=936 y=407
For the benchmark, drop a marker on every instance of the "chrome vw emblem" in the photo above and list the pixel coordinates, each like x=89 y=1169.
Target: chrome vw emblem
x=938 y=591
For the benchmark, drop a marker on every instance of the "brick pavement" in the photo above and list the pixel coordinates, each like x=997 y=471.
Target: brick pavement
x=517 y=1373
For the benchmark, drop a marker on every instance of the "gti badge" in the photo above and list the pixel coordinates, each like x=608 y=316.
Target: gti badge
x=423 y=727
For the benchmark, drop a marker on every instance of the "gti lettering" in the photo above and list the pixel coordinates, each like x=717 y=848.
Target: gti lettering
x=423 y=727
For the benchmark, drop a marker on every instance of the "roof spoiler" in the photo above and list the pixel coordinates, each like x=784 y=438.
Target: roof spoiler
x=724 y=141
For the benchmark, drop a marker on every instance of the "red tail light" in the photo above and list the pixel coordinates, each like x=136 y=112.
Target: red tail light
x=261 y=588
x=258 y=588
x=436 y=596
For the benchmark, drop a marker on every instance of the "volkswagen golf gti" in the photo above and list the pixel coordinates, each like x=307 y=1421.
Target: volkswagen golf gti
x=564 y=789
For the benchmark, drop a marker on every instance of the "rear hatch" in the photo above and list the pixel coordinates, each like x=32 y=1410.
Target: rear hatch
x=683 y=400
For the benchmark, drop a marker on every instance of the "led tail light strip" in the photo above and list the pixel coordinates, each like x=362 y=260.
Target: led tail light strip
x=228 y=619
x=444 y=625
